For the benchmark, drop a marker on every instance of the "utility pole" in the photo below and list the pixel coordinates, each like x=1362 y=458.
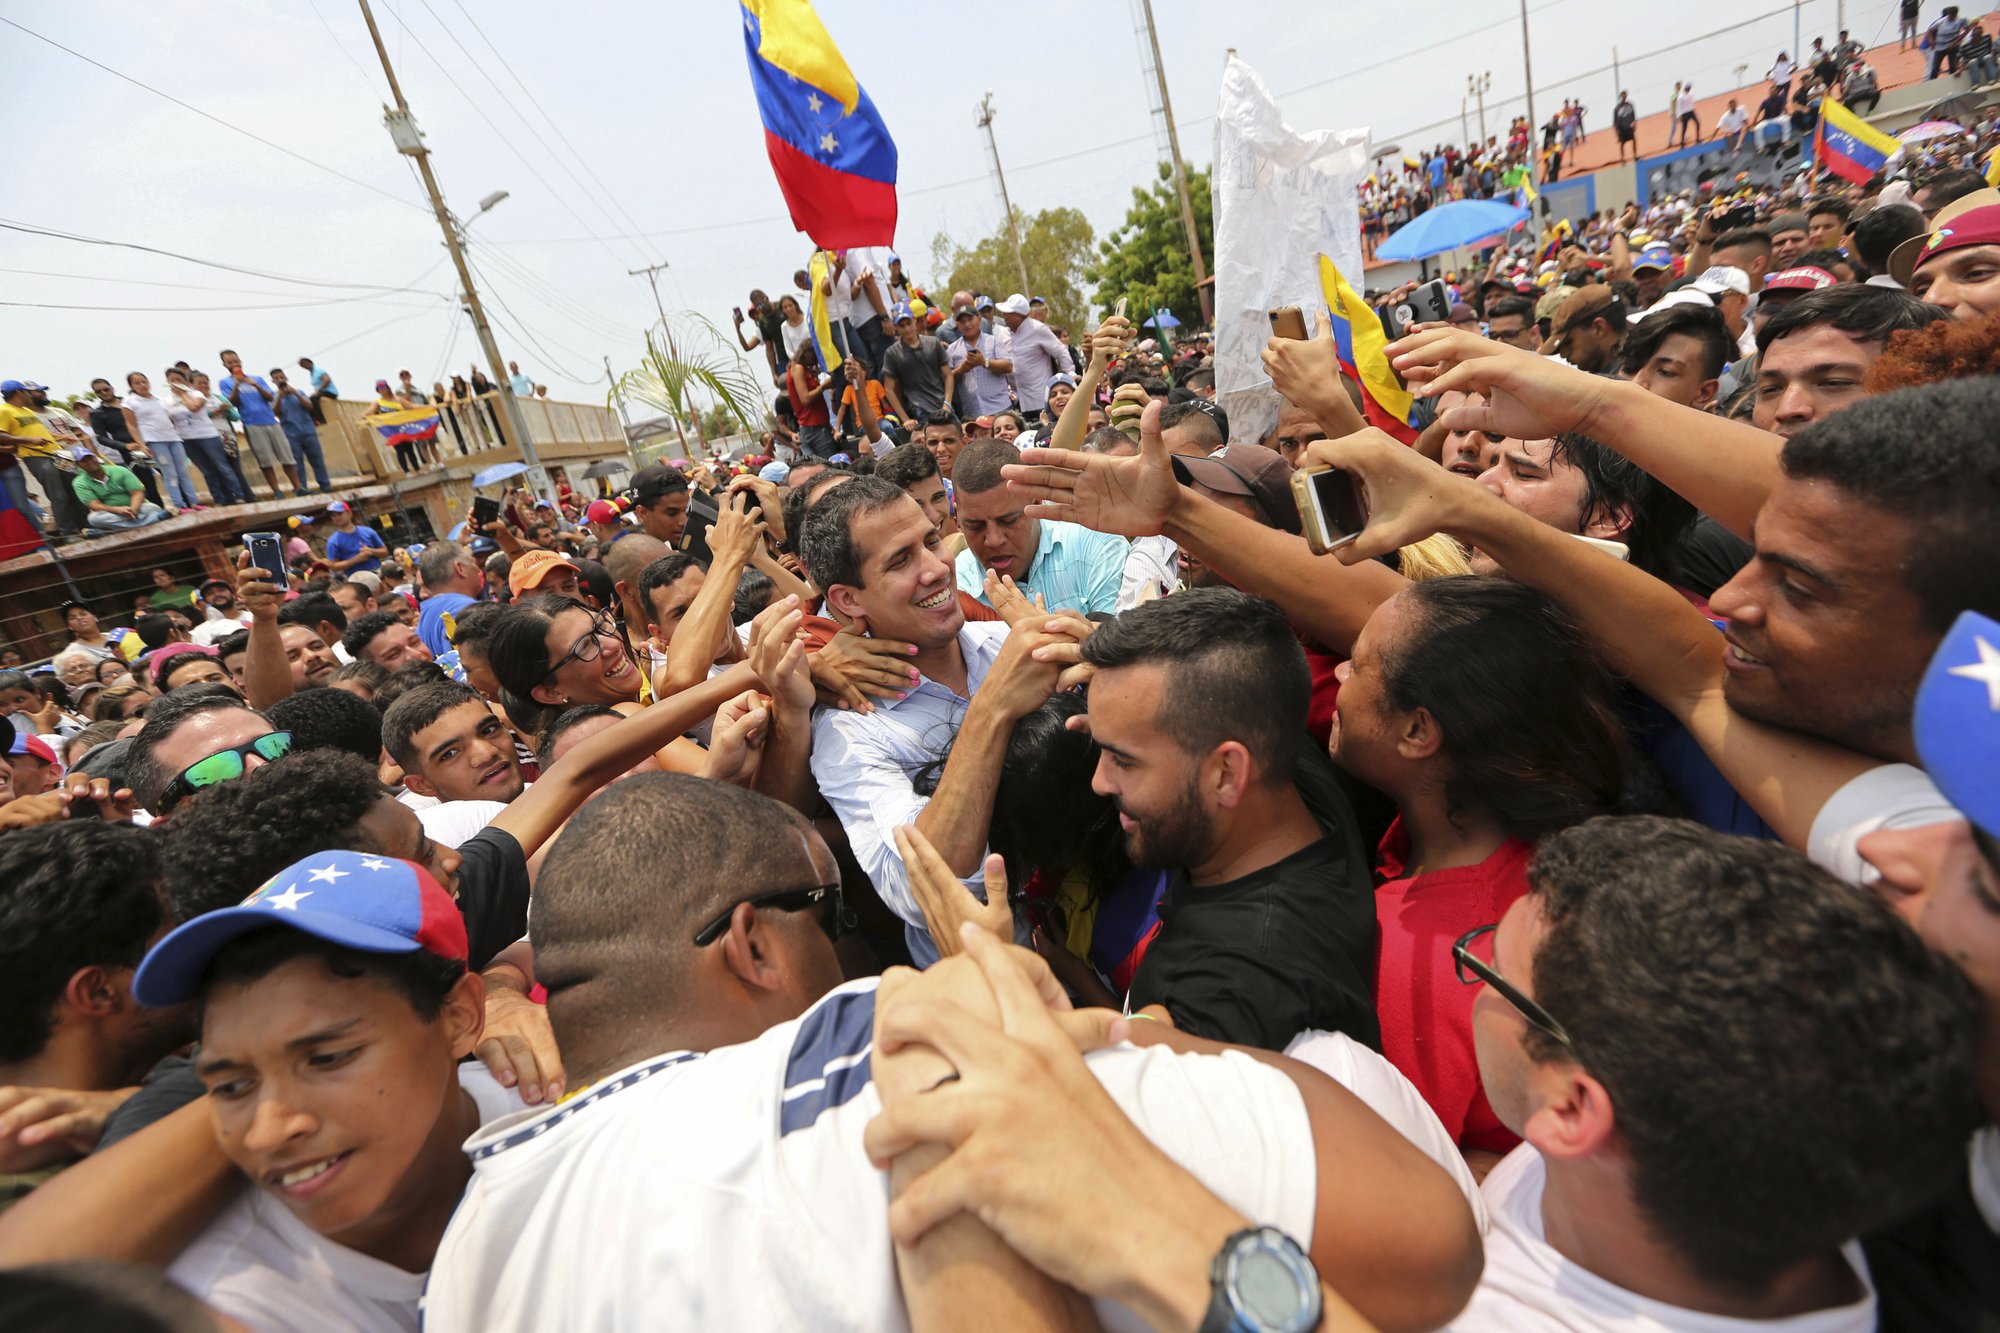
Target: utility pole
x=993 y=147
x=624 y=417
x=1180 y=175
x=410 y=142
x=1479 y=85
x=652 y=275
x=1617 y=84
x=1528 y=74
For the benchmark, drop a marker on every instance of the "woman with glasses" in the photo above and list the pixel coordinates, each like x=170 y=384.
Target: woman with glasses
x=551 y=653
x=1477 y=708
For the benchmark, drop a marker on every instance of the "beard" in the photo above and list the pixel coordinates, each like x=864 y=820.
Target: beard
x=1173 y=838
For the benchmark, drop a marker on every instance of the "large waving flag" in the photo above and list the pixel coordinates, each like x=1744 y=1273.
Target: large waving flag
x=1849 y=146
x=832 y=154
x=1364 y=356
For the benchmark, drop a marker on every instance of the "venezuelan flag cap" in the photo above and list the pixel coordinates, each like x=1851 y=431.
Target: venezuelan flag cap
x=1957 y=720
x=375 y=904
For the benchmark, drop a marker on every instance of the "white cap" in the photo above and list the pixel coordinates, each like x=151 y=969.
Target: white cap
x=1722 y=278
x=1016 y=304
x=1684 y=296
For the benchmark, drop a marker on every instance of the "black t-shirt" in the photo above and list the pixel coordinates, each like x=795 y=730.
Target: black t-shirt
x=1939 y=1270
x=1707 y=556
x=1625 y=116
x=771 y=328
x=1260 y=959
x=919 y=375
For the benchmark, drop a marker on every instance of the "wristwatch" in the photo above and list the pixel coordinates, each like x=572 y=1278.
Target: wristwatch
x=1262 y=1282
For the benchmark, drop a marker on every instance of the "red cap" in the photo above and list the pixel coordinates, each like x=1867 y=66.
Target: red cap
x=601 y=511
x=1805 y=278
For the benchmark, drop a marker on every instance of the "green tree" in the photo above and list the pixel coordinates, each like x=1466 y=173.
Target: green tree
x=1055 y=245
x=1146 y=259
x=689 y=365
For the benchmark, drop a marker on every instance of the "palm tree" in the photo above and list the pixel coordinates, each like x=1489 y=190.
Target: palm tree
x=686 y=356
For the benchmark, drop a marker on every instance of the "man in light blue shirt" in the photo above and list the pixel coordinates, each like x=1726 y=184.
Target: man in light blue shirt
x=522 y=386
x=1069 y=565
x=882 y=564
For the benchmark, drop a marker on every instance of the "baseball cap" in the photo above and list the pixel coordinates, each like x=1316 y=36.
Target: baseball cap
x=1580 y=307
x=1804 y=278
x=1954 y=228
x=1062 y=377
x=21 y=743
x=1786 y=222
x=206 y=584
x=1246 y=469
x=528 y=570
x=901 y=312
x=156 y=661
x=338 y=507
x=651 y=482
x=367 y=578
x=962 y=311
x=375 y=904
x=983 y=302
x=11 y=386
x=1720 y=278
x=776 y=471
x=1036 y=300
x=601 y=511
x=1659 y=256
x=1957 y=719
x=80 y=453
x=984 y=423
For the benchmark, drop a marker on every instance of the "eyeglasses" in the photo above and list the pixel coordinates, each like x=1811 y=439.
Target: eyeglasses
x=1480 y=970
x=826 y=897
x=223 y=766
x=588 y=648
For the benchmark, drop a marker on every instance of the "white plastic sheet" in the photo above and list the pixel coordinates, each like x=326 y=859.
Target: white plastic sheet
x=1282 y=198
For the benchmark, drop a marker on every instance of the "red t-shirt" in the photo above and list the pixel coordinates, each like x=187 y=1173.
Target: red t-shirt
x=1424 y=1009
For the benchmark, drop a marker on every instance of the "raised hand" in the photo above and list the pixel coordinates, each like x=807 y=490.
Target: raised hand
x=1406 y=496
x=1528 y=397
x=1132 y=497
x=773 y=643
x=736 y=739
x=853 y=668
x=1006 y=598
x=947 y=904
x=735 y=533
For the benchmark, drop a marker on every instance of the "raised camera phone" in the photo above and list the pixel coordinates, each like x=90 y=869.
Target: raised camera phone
x=1744 y=215
x=485 y=509
x=1430 y=303
x=1331 y=510
x=702 y=511
x=1288 y=321
x=267 y=552
x=737 y=313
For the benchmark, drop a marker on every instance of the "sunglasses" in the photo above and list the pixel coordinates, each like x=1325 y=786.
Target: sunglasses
x=1472 y=969
x=223 y=766
x=826 y=897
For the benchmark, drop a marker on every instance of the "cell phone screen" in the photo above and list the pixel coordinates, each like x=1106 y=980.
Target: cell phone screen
x=1339 y=502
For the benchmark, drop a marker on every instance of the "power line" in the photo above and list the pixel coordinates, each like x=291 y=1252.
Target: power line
x=522 y=335
x=238 y=129
x=193 y=309
x=54 y=233
x=535 y=102
x=373 y=328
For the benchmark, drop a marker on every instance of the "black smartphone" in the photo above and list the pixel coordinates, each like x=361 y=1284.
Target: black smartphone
x=701 y=515
x=736 y=312
x=1742 y=216
x=485 y=509
x=267 y=552
x=1331 y=509
x=1429 y=303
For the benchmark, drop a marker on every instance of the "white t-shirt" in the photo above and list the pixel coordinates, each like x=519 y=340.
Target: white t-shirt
x=796 y=336
x=452 y=822
x=149 y=414
x=1686 y=104
x=211 y=632
x=840 y=301
x=731 y=1190
x=1527 y=1287
x=1894 y=796
x=1733 y=120
x=1393 y=1097
x=258 y=1263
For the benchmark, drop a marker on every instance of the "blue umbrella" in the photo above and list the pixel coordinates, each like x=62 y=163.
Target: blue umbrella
x=1163 y=320
x=1451 y=227
x=498 y=472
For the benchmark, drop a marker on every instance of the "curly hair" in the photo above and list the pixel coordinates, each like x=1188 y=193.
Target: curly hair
x=1950 y=349
x=330 y=720
x=72 y=894
x=239 y=834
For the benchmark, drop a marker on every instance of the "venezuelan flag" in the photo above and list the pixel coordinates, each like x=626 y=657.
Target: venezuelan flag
x=818 y=325
x=18 y=534
x=1364 y=357
x=1849 y=146
x=833 y=156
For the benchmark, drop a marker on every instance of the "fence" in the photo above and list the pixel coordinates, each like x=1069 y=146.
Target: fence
x=476 y=429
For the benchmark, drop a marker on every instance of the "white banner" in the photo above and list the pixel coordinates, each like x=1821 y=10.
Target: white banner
x=1281 y=198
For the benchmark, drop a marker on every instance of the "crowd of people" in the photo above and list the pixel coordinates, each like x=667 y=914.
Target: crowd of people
x=1013 y=861
x=115 y=461
x=1790 y=107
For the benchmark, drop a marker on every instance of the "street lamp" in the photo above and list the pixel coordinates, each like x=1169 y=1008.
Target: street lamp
x=487 y=204
x=1478 y=85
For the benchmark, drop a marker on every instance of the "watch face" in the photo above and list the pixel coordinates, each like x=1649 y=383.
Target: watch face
x=1267 y=1287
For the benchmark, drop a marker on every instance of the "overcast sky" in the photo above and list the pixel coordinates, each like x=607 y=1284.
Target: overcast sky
x=651 y=150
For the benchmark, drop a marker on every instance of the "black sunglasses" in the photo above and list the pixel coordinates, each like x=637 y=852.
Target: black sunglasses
x=826 y=897
x=1480 y=970
x=590 y=646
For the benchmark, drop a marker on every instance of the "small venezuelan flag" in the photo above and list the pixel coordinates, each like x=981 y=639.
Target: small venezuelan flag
x=1364 y=358
x=1849 y=146
x=832 y=154
x=819 y=327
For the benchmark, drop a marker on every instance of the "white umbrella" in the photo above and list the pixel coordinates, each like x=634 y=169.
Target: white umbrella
x=1930 y=129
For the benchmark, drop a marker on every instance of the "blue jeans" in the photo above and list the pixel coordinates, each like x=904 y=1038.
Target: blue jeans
x=69 y=515
x=16 y=481
x=305 y=449
x=172 y=456
x=816 y=440
x=1983 y=70
x=215 y=470
x=148 y=513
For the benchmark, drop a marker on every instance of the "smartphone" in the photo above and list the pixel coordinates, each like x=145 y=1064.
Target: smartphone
x=1119 y=309
x=1742 y=216
x=1331 y=510
x=1288 y=321
x=1429 y=303
x=485 y=509
x=701 y=515
x=267 y=552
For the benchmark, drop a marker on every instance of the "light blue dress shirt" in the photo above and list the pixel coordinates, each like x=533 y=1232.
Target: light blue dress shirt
x=1074 y=569
x=864 y=764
